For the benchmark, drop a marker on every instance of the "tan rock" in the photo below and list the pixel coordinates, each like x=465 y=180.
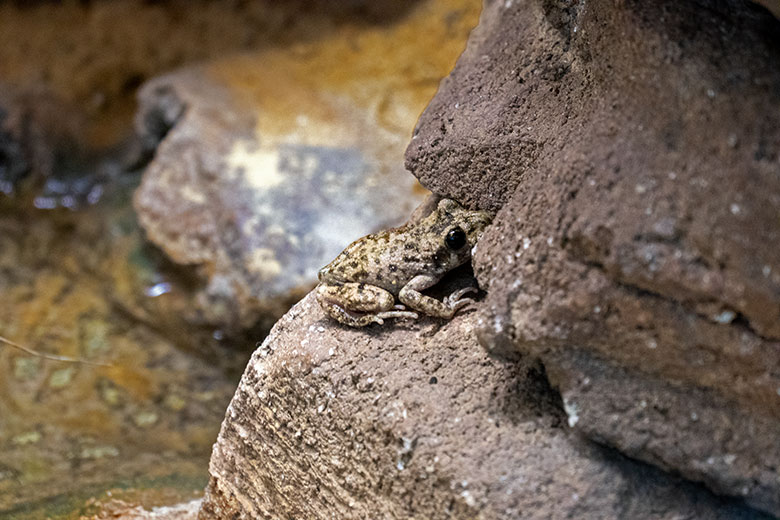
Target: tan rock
x=416 y=421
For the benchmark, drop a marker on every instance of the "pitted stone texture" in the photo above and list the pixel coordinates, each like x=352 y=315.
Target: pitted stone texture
x=416 y=421
x=634 y=155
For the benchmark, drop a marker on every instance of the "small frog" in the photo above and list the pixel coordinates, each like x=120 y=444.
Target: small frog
x=361 y=285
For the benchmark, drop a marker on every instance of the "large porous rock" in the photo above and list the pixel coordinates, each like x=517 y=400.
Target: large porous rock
x=633 y=149
x=266 y=165
x=415 y=420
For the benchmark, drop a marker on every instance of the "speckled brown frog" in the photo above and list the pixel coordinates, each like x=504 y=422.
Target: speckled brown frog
x=361 y=285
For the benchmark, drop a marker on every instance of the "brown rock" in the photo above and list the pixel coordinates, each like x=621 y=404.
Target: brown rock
x=416 y=421
x=634 y=152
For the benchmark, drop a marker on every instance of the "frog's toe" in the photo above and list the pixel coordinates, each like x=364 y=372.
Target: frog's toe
x=398 y=314
x=454 y=300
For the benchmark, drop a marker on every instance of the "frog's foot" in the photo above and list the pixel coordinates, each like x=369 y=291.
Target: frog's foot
x=455 y=301
x=446 y=308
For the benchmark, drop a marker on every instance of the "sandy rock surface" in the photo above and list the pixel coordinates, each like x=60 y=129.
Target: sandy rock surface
x=417 y=421
x=633 y=153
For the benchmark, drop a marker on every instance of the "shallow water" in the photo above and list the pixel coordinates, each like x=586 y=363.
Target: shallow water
x=84 y=284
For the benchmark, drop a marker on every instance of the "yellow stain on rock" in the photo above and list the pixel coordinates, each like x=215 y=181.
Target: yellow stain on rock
x=380 y=78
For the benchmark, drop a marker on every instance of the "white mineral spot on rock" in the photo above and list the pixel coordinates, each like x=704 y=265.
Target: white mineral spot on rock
x=640 y=189
x=549 y=241
x=733 y=140
x=498 y=323
x=190 y=194
x=725 y=317
x=643 y=404
x=729 y=459
x=651 y=343
x=596 y=309
x=572 y=411
x=672 y=175
x=320 y=329
x=766 y=270
x=321 y=408
x=260 y=166
x=694 y=416
x=778 y=390
x=468 y=498
x=735 y=209
x=331 y=351
x=526 y=243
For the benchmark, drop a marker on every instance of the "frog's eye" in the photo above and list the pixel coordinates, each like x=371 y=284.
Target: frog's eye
x=455 y=239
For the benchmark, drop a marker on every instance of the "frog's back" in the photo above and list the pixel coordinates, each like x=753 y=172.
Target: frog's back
x=387 y=259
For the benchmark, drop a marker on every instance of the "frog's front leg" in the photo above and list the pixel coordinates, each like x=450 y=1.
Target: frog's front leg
x=411 y=296
x=358 y=305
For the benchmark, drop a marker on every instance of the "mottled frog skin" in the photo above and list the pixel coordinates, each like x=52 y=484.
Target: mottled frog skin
x=362 y=284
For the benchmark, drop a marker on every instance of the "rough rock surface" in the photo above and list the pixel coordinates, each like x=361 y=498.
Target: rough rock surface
x=634 y=150
x=266 y=165
x=415 y=420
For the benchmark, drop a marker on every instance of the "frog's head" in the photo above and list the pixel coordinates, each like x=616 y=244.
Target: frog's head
x=458 y=229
